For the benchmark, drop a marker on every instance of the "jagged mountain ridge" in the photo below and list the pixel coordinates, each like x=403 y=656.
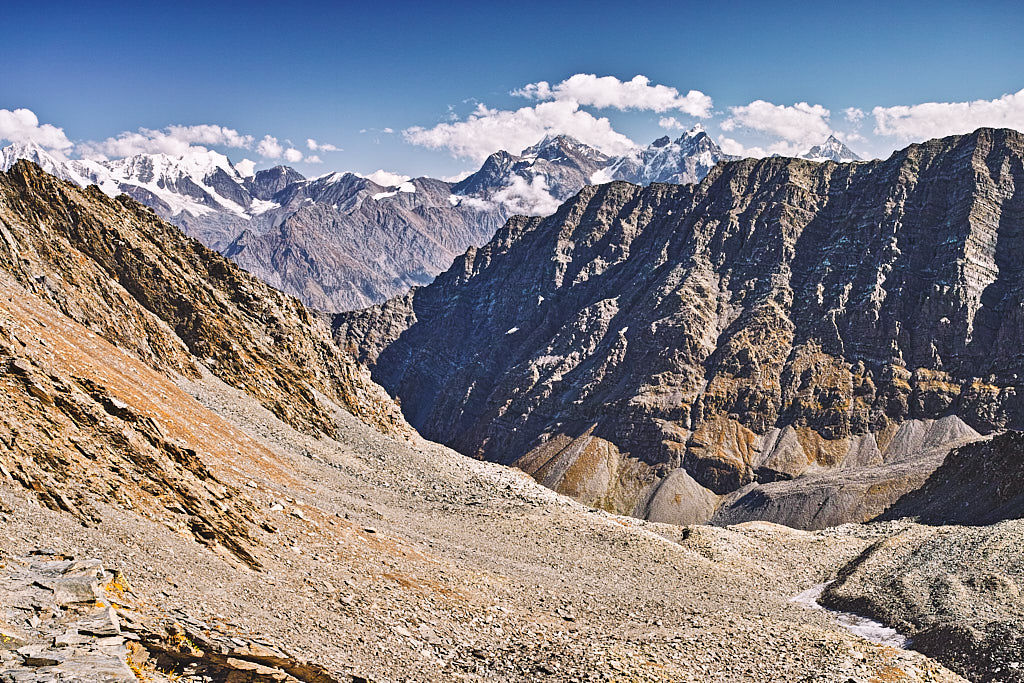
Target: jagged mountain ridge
x=342 y=241
x=780 y=319
x=684 y=160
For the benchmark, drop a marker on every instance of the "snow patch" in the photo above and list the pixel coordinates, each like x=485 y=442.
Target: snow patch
x=869 y=629
x=259 y=206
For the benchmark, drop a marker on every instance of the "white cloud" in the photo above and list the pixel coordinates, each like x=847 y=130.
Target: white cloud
x=209 y=134
x=670 y=123
x=801 y=124
x=387 y=178
x=736 y=148
x=313 y=159
x=174 y=140
x=270 y=148
x=606 y=92
x=487 y=130
x=292 y=155
x=530 y=198
x=387 y=130
x=246 y=167
x=937 y=119
x=22 y=125
x=474 y=203
x=462 y=175
x=854 y=115
x=315 y=146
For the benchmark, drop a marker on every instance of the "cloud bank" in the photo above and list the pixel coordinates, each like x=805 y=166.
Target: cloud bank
x=796 y=127
x=174 y=140
x=22 y=125
x=485 y=130
x=560 y=109
x=608 y=92
x=938 y=119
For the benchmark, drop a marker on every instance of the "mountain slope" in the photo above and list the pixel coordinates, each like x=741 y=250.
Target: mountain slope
x=114 y=266
x=259 y=552
x=781 y=318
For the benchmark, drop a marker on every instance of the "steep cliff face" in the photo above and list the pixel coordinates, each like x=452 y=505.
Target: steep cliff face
x=781 y=318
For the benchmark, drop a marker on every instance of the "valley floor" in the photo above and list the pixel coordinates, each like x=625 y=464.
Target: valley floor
x=408 y=562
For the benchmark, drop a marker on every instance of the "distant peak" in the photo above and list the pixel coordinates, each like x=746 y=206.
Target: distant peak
x=833 y=149
x=662 y=141
x=552 y=140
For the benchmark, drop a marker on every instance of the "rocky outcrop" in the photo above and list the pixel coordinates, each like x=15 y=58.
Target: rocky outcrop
x=67 y=619
x=780 y=318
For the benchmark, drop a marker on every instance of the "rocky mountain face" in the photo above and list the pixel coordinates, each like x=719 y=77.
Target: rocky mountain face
x=833 y=149
x=342 y=241
x=674 y=351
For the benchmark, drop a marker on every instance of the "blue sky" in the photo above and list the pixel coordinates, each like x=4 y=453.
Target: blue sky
x=344 y=73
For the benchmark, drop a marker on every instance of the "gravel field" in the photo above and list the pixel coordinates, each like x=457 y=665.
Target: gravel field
x=399 y=561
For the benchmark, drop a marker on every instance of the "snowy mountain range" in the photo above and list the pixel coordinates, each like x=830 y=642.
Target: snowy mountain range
x=343 y=241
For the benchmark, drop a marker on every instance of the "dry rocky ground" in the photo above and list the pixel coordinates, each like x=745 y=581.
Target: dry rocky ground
x=393 y=562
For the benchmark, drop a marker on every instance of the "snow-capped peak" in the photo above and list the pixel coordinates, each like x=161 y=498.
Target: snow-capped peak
x=53 y=163
x=197 y=166
x=684 y=160
x=833 y=149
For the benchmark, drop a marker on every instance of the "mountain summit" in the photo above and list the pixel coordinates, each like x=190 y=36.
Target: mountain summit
x=833 y=149
x=684 y=160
